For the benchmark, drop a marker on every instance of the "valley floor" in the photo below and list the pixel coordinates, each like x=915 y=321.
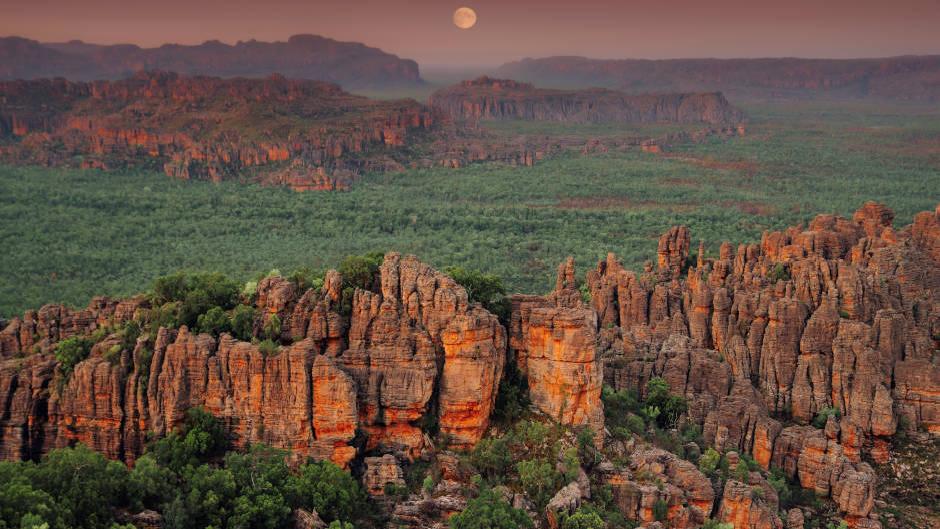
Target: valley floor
x=68 y=235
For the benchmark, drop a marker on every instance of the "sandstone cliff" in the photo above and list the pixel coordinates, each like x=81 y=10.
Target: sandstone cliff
x=486 y=98
x=306 y=135
x=413 y=351
x=810 y=351
x=899 y=78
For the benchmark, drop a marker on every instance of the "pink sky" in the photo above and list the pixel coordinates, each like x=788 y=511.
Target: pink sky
x=507 y=29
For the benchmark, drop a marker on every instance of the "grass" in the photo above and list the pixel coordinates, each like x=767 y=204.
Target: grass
x=68 y=235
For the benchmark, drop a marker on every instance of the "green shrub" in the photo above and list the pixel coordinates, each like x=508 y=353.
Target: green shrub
x=269 y=348
x=214 y=322
x=778 y=273
x=489 y=511
x=660 y=510
x=272 y=328
x=709 y=461
x=486 y=289
x=539 y=479
x=71 y=351
x=243 y=322
x=195 y=293
x=201 y=438
x=635 y=424
x=326 y=488
x=823 y=416
x=583 y=518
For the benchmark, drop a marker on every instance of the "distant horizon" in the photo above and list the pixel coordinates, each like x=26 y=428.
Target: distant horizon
x=506 y=31
x=470 y=66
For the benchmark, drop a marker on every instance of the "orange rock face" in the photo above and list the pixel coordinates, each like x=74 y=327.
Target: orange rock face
x=760 y=341
x=414 y=350
x=417 y=334
x=840 y=315
x=553 y=340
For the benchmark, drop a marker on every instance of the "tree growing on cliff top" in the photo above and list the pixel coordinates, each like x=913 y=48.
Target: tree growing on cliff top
x=486 y=289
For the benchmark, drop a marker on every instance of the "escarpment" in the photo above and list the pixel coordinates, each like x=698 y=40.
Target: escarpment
x=306 y=135
x=487 y=99
x=807 y=353
x=350 y=64
x=415 y=350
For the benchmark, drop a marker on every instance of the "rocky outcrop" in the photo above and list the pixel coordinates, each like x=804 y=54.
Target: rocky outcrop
x=350 y=64
x=306 y=135
x=486 y=99
x=656 y=476
x=839 y=318
x=416 y=337
x=810 y=351
x=193 y=127
x=416 y=351
x=900 y=78
x=380 y=473
x=552 y=339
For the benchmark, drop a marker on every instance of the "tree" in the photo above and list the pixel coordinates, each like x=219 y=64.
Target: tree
x=486 y=289
x=84 y=484
x=490 y=511
x=261 y=477
x=214 y=322
x=709 y=461
x=149 y=485
x=539 y=479
x=71 y=351
x=491 y=457
x=243 y=322
x=202 y=437
x=670 y=406
x=21 y=505
x=206 y=501
x=332 y=492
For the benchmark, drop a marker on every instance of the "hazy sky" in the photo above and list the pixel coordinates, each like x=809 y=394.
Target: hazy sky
x=507 y=29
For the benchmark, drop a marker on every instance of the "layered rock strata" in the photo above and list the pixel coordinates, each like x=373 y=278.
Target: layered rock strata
x=487 y=99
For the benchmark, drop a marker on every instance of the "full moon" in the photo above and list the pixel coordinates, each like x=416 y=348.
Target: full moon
x=465 y=18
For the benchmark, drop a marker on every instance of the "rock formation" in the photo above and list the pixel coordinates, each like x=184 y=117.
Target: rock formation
x=766 y=339
x=899 y=78
x=417 y=350
x=552 y=339
x=312 y=57
x=486 y=98
x=306 y=135
x=809 y=351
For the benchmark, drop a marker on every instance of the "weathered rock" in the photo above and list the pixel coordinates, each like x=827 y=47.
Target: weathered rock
x=380 y=472
x=745 y=509
x=420 y=333
x=485 y=98
x=553 y=340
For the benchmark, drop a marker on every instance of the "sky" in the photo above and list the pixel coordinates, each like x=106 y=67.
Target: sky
x=506 y=29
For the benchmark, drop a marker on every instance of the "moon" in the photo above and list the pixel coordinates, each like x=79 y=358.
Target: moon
x=465 y=18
